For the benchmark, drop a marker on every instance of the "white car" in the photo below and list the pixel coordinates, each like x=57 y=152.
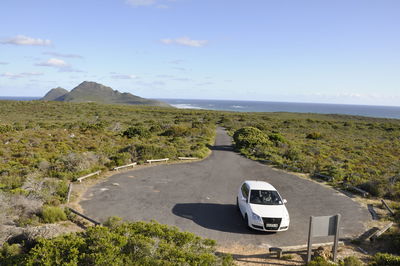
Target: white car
x=262 y=207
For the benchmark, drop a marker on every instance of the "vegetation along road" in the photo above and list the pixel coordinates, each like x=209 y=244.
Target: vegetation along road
x=200 y=197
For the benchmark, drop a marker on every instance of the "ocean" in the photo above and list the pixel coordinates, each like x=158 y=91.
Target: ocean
x=11 y=98
x=258 y=106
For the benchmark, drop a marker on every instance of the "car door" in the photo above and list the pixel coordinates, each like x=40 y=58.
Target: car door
x=244 y=194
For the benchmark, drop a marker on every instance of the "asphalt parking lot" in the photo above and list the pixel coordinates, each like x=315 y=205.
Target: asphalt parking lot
x=200 y=197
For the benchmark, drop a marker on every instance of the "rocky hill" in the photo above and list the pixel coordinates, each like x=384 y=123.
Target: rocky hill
x=89 y=91
x=54 y=94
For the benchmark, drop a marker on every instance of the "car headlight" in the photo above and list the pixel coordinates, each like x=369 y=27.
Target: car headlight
x=255 y=217
x=286 y=216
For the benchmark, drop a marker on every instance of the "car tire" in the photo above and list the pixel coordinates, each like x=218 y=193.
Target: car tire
x=237 y=204
x=246 y=220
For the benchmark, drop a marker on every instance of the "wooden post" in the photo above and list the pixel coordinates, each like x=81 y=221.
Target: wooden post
x=335 y=245
x=387 y=207
x=69 y=192
x=309 y=248
x=85 y=217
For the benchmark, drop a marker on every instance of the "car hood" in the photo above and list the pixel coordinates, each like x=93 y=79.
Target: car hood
x=273 y=211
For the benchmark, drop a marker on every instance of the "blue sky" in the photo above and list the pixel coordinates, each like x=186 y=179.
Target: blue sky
x=342 y=51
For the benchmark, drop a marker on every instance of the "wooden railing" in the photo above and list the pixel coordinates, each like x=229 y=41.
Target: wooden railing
x=89 y=175
x=157 y=160
x=124 y=166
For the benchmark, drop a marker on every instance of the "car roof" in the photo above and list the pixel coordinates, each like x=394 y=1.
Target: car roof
x=253 y=184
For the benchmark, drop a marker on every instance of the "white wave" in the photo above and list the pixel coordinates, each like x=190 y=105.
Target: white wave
x=185 y=106
x=237 y=106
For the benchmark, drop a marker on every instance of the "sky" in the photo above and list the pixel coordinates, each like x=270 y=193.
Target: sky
x=338 y=51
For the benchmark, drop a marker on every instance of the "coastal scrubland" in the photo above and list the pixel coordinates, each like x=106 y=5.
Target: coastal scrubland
x=46 y=145
x=362 y=151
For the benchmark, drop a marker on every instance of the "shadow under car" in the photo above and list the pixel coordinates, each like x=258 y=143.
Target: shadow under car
x=219 y=217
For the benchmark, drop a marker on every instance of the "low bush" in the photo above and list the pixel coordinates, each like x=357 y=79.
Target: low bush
x=139 y=131
x=151 y=151
x=277 y=138
x=249 y=137
x=376 y=188
x=385 y=259
x=120 y=159
x=351 y=261
x=314 y=135
x=52 y=214
x=10 y=254
x=123 y=243
x=177 y=131
x=319 y=261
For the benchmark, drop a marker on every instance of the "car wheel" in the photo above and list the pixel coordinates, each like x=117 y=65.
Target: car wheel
x=237 y=204
x=246 y=220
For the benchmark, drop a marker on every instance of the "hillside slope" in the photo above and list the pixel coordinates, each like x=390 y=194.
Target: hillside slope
x=54 y=94
x=89 y=91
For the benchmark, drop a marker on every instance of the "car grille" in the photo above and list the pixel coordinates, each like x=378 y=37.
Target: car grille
x=276 y=221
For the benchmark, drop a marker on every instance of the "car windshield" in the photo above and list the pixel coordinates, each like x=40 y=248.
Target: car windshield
x=265 y=197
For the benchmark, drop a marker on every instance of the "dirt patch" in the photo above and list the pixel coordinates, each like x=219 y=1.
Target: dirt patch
x=250 y=255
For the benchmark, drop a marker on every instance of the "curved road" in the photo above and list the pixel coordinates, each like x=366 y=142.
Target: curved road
x=200 y=197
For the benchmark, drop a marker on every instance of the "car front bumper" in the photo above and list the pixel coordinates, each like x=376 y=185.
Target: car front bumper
x=282 y=224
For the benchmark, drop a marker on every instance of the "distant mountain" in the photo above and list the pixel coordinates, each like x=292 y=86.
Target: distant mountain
x=89 y=91
x=54 y=94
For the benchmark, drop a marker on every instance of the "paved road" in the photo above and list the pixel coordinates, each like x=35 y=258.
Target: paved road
x=200 y=197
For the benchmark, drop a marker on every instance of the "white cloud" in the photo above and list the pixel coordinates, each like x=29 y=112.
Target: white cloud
x=151 y=84
x=20 y=75
x=141 y=2
x=123 y=76
x=54 y=62
x=162 y=6
x=185 y=41
x=165 y=76
x=59 y=64
x=205 y=84
x=25 y=40
x=183 y=79
x=70 y=69
x=176 y=62
x=180 y=69
x=63 y=55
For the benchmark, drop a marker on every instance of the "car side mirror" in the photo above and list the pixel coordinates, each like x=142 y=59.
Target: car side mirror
x=284 y=201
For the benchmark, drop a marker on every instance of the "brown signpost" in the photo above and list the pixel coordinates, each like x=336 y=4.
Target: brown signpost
x=324 y=226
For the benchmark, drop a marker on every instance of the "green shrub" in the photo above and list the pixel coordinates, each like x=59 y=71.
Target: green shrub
x=137 y=132
x=120 y=159
x=384 y=259
x=99 y=126
x=249 y=137
x=277 y=138
x=314 y=135
x=376 y=188
x=319 y=261
x=10 y=254
x=177 y=131
x=333 y=171
x=151 y=151
x=52 y=214
x=5 y=128
x=351 y=261
x=292 y=154
x=125 y=243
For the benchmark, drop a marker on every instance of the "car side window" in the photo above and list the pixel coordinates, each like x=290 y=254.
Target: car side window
x=245 y=191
